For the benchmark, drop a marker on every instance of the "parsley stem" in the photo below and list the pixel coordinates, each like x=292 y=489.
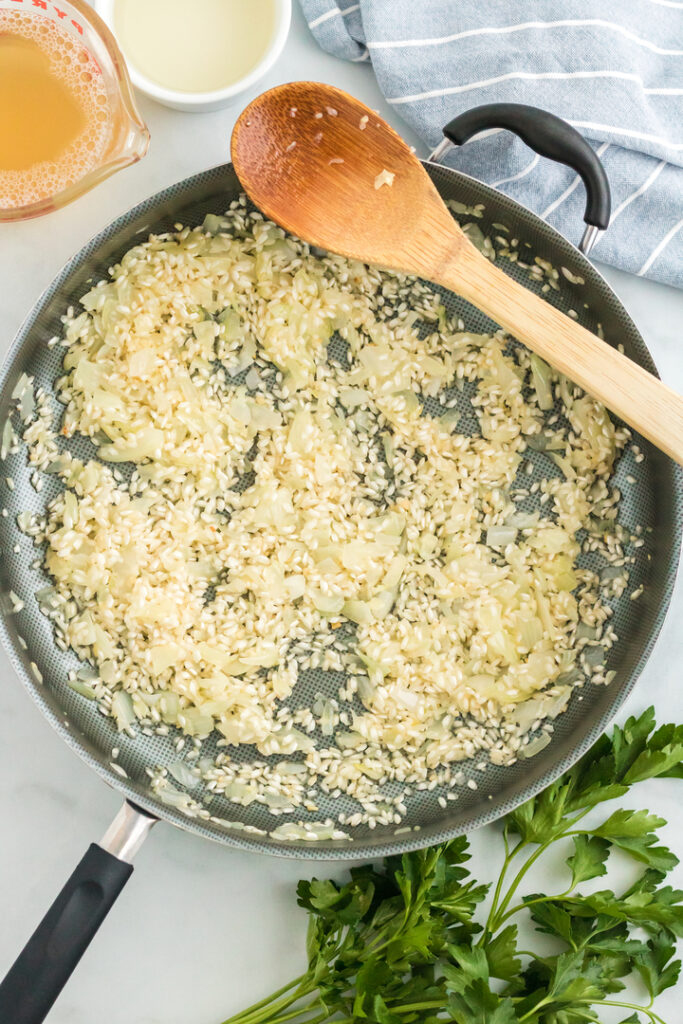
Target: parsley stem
x=267 y=1002
x=632 y=1006
x=314 y=1004
x=529 y=862
x=430 y=1004
x=509 y=857
x=273 y=1014
x=530 y=903
x=496 y=921
x=536 y=1008
x=275 y=1006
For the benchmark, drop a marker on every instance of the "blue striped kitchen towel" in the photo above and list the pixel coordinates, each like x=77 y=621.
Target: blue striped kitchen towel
x=613 y=69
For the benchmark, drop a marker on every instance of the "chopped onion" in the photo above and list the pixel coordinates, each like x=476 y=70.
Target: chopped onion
x=25 y=521
x=46 y=595
x=542 y=380
x=253 y=380
x=349 y=739
x=358 y=612
x=327 y=604
x=328 y=718
x=173 y=797
x=292 y=768
x=182 y=774
x=82 y=688
x=526 y=713
x=366 y=691
x=530 y=632
x=8 y=438
x=240 y=793
x=27 y=404
x=23 y=382
x=535 y=746
x=522 y=520
x=122 y=710
x=594 y=656
x=213 y=224
x=556 y=704
x=612 y=572
x=500 y=536
x=277 y=800
x=382 y=603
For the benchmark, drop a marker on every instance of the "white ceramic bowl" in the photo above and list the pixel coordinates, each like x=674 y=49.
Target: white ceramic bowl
x=199 y=101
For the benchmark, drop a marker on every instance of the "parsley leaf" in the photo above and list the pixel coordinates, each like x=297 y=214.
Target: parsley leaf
x=588 y=859
x=656 y=965
x=501 y=953
x=633 y=832
x=400 y=942
x=478 y=1003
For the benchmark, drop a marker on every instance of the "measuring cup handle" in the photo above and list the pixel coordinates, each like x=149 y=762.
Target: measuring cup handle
x=60 y=940
x=549 y=136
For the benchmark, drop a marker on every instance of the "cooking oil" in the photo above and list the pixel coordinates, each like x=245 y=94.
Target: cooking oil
x=197 y=46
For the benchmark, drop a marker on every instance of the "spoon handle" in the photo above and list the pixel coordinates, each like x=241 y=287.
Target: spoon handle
x=636 y=396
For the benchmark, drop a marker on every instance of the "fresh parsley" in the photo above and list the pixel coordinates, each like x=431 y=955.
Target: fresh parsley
x=400 y=943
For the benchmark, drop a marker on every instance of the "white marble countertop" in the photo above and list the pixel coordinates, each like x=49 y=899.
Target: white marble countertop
x=202 y=931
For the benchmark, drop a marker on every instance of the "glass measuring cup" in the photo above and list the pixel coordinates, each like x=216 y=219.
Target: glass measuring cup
x=122 y=137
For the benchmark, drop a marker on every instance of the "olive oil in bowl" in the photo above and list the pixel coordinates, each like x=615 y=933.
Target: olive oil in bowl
x=202 y=46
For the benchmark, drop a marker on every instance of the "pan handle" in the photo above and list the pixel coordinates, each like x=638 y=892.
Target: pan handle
x=62 y=937
x=548 y=135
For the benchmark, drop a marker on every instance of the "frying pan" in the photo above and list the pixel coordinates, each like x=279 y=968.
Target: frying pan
x=654 y=501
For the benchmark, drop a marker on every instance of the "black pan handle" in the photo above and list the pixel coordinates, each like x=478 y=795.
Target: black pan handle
x=62 y=937
x=549 y=136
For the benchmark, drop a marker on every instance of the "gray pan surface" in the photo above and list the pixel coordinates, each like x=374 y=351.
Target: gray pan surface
x=654 y=501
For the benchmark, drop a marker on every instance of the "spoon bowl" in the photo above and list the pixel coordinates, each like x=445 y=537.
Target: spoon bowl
x=310 y=157
x=329 y=170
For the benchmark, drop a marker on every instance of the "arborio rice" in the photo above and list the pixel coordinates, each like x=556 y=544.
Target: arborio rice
x=299 y=490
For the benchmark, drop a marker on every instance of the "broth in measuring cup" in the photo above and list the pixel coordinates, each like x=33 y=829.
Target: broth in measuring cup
x=68 y=118
x=55 y=120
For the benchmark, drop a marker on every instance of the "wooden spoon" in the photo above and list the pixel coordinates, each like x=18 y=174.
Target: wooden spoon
x=312 y=158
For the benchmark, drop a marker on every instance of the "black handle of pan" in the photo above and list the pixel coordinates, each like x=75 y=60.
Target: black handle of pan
x=548 y=135
x=51 y=954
